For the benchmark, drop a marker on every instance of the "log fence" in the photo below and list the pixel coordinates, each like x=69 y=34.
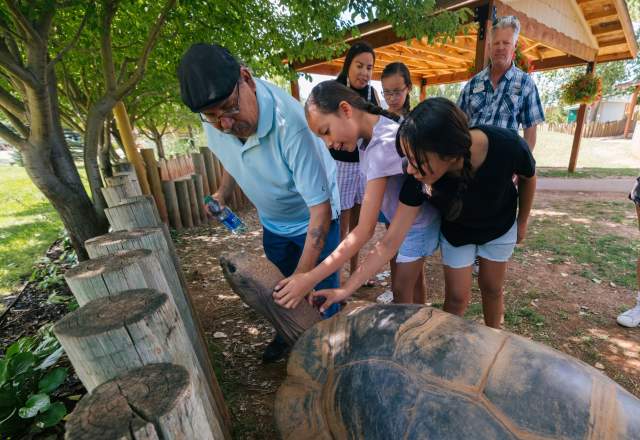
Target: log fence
x=593 y=129
x=178 y=185
x=135 y=342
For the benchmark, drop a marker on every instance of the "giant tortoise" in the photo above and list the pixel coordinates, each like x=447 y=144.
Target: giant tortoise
x=414 y=372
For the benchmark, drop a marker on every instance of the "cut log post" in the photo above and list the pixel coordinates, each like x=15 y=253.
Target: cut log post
x=184 y=202
x=135 y=212
x=112 y=335
x=112 y=274
x=124 y=179
x=209 y=165
x=132 y=176
x=200 y=168
x=152 y=238
x=173 y=210
x=164 y=172
x=152 y=402
x=197 y=183
x=193 y=201
x=153 y=175
x=122 y=167
x=116 y=194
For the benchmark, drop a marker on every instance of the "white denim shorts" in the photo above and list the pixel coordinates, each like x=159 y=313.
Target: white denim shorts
x=419 y=242
x=499 y=249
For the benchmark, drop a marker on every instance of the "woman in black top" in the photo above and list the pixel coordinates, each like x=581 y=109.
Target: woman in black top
x=356 y=74
x=467 y=174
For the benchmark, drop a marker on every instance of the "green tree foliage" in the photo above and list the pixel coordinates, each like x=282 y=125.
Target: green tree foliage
x=69 y=62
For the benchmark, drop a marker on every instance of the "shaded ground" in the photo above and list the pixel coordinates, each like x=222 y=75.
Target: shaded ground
x=564 y=289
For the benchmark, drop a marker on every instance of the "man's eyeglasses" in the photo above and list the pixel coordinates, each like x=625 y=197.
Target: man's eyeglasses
x=392 y=93
x=228 y=112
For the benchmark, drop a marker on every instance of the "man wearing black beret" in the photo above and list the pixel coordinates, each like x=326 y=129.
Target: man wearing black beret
x=260 y=135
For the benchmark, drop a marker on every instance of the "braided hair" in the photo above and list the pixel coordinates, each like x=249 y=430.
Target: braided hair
x=401 y=69
x=438 y=126
x=328 y=95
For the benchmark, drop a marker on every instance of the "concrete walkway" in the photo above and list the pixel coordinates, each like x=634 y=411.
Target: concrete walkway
x=616 y=185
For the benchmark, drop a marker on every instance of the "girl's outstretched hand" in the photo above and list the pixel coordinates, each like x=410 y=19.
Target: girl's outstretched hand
x=331 y=296
x=290 y=291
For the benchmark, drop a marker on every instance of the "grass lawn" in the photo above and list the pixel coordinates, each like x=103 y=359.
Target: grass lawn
x=28 y=225
x=612 y=154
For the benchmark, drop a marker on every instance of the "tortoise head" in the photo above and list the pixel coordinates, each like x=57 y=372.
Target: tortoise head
x=246 y=272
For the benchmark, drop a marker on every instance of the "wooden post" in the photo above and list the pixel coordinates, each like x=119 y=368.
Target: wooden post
x=112 y=335
x=123 y=179
x=112 y=274
x=577 y=136
x=116 y=194
x=169 y=190
x=295 y=89
x=632 y=109
x=151 y=402
x=198 y=184
x=135 y=212
x=124 y=127
x=198 y=165
x=423 y=89
x=193 y=201
x=122 y=167
x=152 y=238
x=184 y=202
x=154 y=180
x=484 y=16
x=207 y=156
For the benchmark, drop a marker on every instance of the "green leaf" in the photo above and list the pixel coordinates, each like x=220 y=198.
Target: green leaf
x=4 y=364
x=36 y=403
x=20 y=363
x=51 y=416
x=52 y=380
x=51 y=359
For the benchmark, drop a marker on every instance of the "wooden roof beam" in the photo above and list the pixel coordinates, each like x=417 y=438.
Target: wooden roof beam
x=601 y=16
x=537 y=31
x=606 y=28
x=557 y=62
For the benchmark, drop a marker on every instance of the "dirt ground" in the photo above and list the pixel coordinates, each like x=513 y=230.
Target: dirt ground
x=548 y=300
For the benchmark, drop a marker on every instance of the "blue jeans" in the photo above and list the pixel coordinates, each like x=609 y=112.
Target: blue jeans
x=285 y=252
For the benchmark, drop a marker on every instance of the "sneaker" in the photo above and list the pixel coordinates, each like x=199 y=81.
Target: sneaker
x=476 y=266
x=630 y=318
x=385 y=298
x=276 y=350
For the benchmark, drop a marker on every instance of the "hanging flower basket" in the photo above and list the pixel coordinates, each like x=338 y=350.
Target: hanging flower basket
x=585 y=88
x=521 y=61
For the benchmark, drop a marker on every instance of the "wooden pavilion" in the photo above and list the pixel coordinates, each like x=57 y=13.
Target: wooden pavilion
x=554 y=34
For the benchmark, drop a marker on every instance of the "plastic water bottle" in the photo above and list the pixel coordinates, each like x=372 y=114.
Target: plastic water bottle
x=231 y=221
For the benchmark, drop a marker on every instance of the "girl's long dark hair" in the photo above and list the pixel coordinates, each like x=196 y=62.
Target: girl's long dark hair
x=328 y=95
x=401 y=69
x=438 y=126
x=354 y=51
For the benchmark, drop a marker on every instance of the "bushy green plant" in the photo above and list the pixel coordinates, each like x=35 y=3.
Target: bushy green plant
x=28 y=378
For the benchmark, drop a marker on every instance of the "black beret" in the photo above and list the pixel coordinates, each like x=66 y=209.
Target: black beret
x=208 y=73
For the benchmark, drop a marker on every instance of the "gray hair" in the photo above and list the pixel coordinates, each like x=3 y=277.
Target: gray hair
x=508 y=21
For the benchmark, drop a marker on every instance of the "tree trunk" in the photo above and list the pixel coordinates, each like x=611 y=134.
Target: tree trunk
x=50 y=166
x=104 y=152
x=95 y=123
x=157 y=138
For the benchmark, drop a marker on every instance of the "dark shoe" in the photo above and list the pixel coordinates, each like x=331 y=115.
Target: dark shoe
x=276 y=350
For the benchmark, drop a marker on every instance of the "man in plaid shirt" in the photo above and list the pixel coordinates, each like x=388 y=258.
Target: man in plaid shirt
x=501 y=94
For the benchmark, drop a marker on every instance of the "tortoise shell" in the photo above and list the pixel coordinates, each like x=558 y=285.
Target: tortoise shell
x=414 y=372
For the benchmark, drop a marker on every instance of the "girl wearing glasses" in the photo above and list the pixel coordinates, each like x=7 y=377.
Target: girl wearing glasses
x=466 y=173
x=345 y=121
x=396 y=87
x=356 y=74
